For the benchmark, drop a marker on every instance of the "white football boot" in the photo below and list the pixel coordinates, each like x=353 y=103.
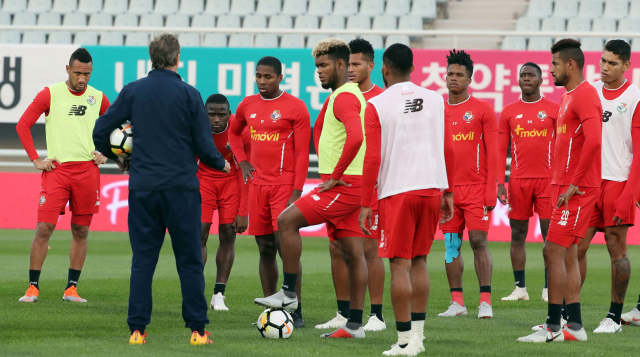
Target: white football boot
x=334 y=323
x=217 y=302
x=543 y=335
x=563 y=322
x=545 y=294
x=632 y=317
x=608 y=326
x=411 y=349
x=278 y=301
x=517 y=294
x=454 y=309
x=485 y=311
x=574 y=335
x=374 y=324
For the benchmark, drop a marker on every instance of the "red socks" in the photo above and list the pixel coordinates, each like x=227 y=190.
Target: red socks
x=456 y=296
x=485 y=297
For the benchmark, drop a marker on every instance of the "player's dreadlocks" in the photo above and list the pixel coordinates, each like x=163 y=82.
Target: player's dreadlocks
x=461 y=58
x=337 y=49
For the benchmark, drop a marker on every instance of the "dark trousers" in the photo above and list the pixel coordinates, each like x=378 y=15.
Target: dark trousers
x=151 y=213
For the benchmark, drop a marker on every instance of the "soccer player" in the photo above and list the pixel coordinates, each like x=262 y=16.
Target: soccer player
x=70 y=172
x=615 y=208
x=411 y=153
x=475 y=137
x=225 y=192
x=575 y=189
x=530 y=123
x=360 y=67
x=280 y=135
x=336 y=201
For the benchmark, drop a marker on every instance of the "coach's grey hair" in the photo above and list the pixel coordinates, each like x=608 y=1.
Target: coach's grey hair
x=163 y=50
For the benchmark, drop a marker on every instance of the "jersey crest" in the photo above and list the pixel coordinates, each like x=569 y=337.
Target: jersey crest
x=91 y=100
x=275 y=115
x=542 y=115
x=622 y=108
x=468 y=116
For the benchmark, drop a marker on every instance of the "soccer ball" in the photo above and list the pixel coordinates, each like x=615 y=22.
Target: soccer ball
x=275 y=324
x=121 y=140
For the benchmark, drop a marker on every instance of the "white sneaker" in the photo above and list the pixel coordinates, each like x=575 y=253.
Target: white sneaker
x=217 y=302
x=632 y=317
x=517 y=294
x=608 y=326
x=409 y=350
x=278 y=301
x=454 y=309
x=374 y=324
x=574 y=335
x=335 y=323
x=563 y=323
x=418 y=342
x=545 y=294
x=543 y=335
x=485 y=311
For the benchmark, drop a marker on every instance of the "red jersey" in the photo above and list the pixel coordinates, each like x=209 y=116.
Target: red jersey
x=531 y=128
x=374 y=91
x=222 y=144
x=280 y=132
x=579 y=138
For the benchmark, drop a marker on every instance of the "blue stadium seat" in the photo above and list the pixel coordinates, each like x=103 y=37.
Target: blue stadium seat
x=320 y=7
x=375 y=40
x=540 y=8
x=112 y=39
x=137 y=39
x=240 y=40
x=634 y=10
x=346 y=7
x=592 y=43
x=215 y=40
x=89 y=6
x=306 y=22
x=528 y=24
x=398 y=7
x=74 y=19
x=177 y=20
x=425 y=8
x=13 y=6
x=242 y=7
x=604 y=25
x=189 y=39
x=126 y=20
x=590 y=9
x=59 y=38
x=359 y=22
x=217 y=7
x=151 y=20
x=34 y=38
x=49 y=19
x=313 y=40
x=10 y=36
x=391 y=39
x=629 y=25
x=24 y=18
x=85 y=38
x=383 y=22
x=556 y=24
x=203 y=20
x=5 y=18
x=229 y=21
x=332 y=22
x=513 y=43
x=292 y=41
x=578 y=24
x=191 y=7
x=64 y=6
x=281 y=22
x=114 y=7
x=166 y=7
x=294 y=7
x=372 y=7
x=410 y=22
x=269 y=7
x=635 y=45
x=616 y=9
x=38 y=6
x=265 y=40
x=102 y=19
x=140 y=7
x=566 y=8
x=540 y=43
x=255 y=22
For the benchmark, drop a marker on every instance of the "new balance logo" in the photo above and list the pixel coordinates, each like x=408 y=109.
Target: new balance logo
x=413 y=105
x=252 y=116
x=77 y=110
x=519 y=116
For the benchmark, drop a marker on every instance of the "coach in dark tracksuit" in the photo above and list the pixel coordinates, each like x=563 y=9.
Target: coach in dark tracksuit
x=171 y=128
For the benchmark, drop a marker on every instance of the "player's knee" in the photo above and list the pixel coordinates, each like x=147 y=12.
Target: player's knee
x=44 y=230
x=267 y=247
x=452 y=244
x=227 y=236
x=79 y=232
x=334 y=250
x=478 y=241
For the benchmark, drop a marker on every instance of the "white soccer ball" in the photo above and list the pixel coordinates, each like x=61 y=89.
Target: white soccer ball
x=121 y=140
x=275 y=324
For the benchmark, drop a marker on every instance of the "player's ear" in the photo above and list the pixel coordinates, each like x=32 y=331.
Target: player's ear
x=626 y=66
x=68 y=69
x=412 y=68
x=280 y=77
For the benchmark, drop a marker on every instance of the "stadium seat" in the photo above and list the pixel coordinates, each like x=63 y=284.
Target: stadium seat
x=629 y=25
x=229 y=21
x=9 y=36
x=578 y=24
x=242 y=7
x=5 y=18
x=634 y=10
x=177 y=20
x=126 y=20
x=151 y=20
x=313 y=40
x=604 y=25
x=292 y=41
x=280 y=22
x=590 y=9
x=140 y=7
x=64 y=6
x=332 y=22
x=320 y=7
x=566 y=8
x=269 y=7
x=240 y=40
x=375 y=40
x=383 y=22
x=635 y=45
x=191 y=7
x=265 y=40
x=410 y=22
x=189 y=39
x=592 y=43
x=13 y=6
x=255 y=22
x=215 y=40
x=24 y=18
x=556 y=24
x=306 y=22
x=511 y=43
x=102 y=19
x=346 y=8
x=86 y=38
x=217 y=7
x=616 y=9
x=540 y=43
x=137 y=39
x=203 y=20
x=398 y=7
x=38 y=6
x=294 y=7
x=166 y=7
x=49 y=19
x=75 y=19
x=372 y=7
x=528 y=24
x=391 y=39
x=114 y=7
x=347 y=37
x=60 y=38
x=540 y=8
x=428 y=9
x=359 y=22
x=89 y=6
x=34 y=38
x=112 y=39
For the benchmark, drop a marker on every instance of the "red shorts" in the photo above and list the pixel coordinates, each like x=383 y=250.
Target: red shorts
x=604 y=211
x=339 y=208
x=221 y=195
x=75 y=182
x=265 y=205
x=527 y=196
x=567 y=226
x=468 y=210
x=408 y=225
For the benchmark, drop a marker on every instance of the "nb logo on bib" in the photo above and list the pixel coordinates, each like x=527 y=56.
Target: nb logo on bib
x=413 y=105
x=77 y=110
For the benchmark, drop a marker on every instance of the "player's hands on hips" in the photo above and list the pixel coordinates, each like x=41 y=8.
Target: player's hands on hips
x=98 y=158
x=502 y=194
x=565 y=197
x=621 y=207
x=227 y=167
x=365 y=218
x=247 y=170
x=490 y=197
x=331 y=183
x=294 y=197
x=240 y=224
x=446 y=206
x=46 y=164
x=123 y=164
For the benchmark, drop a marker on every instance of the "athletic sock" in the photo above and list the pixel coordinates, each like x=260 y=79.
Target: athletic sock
x=344 y=307
x=34 y=278
x=404 y=333
x=485 y=294
x=554 y=312
x=299 y=310
x=289 y=284
x=615 y=310
x=199 y=329
x=219 y=288
x=137 y=328
x=638 y=306
x=574 y=316
x=519 y=278
x=456 y=296
x=377 y=310
x=564 y=310
x=417 y=323
x=74 y=276
x=355 y=319
x=546 y=281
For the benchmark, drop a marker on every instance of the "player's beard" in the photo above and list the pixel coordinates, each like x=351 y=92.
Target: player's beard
x=331 y=83
x=560 y=80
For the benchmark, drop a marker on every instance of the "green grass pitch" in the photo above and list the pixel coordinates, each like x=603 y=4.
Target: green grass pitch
x=51 y=327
